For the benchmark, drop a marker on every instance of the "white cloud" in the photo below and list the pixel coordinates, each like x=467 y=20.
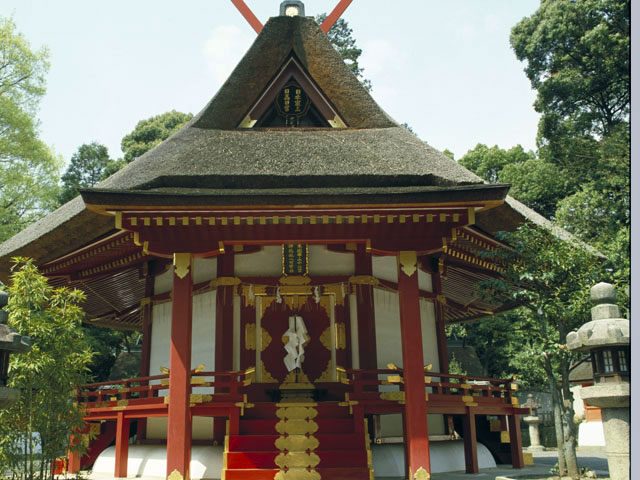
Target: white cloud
x=224 y=49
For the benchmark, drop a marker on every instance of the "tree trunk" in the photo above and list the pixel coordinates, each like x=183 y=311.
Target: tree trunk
x=569 y=427
x=557 y=415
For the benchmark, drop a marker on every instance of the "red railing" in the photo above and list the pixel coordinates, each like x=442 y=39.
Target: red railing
x=220 y=384
x=367 y=383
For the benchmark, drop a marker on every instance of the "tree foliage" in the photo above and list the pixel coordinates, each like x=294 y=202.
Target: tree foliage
x=46 y=375
x=86 y=168
x=341 y=37
x=29 y=170
x=577 y=55
x=151 y=132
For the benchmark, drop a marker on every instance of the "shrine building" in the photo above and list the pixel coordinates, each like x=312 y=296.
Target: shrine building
x=292 y=256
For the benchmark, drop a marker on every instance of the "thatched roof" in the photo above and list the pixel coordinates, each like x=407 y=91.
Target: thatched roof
x=210 y=159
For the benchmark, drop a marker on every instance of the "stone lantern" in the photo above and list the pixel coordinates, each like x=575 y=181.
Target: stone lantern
x=10 y=342
x=606 y=338
x=533 y=421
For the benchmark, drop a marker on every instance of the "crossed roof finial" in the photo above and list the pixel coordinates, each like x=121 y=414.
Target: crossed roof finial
x=256 y=24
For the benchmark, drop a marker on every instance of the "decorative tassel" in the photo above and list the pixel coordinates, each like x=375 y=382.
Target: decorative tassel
x=316 y=293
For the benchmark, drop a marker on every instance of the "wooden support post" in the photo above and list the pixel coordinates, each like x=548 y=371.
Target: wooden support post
x=366 y=314
x=224 y=335
x=73 y=459
x=470 y=441
x=179 y=411
x=122 y=446
x=416 y=430
x=515 y=437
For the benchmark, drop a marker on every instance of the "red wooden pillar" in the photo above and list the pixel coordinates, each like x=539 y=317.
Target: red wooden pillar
x=73 y=458
x=366 y=318
x=179 y=412
x=122 y=446
x=470 y=442
x=416 y=431
x=515 y=438
x=224 y=334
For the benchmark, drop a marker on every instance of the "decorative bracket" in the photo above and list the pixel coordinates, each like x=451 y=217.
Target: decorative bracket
x=182 y=264
x=408 y=262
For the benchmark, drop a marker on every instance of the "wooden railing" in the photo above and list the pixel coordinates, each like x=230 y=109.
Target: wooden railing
x=228 y=384
x=365 y=382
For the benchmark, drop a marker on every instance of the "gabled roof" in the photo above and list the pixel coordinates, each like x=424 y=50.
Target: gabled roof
x=212 y=158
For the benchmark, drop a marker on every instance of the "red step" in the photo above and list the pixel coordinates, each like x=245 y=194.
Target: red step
x=343 y=453
x=325 y=473
x=267 y=427
x=328 y=459
x=266 y=443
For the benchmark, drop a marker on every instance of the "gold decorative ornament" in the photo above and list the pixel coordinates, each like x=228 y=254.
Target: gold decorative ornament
x=338 y=290
x=296 y=413
x=363 y=280
x=265 y=339
x=394 y=379
x=250 y=336
x=225 y=282
x=327 y=375
x=297 y=474
x=296 y=443
x=408 y=260
x=182 y=264
x=175 y=475
x=164 y=370
x=341 y=336
x=392 y=366
x=295 y=280
x=421 y=474
x=504 y=437
x=325 y=338
x=296 y=427
x=291 y=378
x=266 y=376
x=297 y=460
x=392 y=396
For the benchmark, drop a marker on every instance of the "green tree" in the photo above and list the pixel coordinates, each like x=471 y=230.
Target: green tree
x=29 y=170
x=578 y=60
x=46 y=375
x=151 y=132
x=551 y=279
x=86 y=168
x=341 y=37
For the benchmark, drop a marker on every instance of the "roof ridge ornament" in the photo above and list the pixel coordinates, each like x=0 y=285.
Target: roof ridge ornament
x=292 y=8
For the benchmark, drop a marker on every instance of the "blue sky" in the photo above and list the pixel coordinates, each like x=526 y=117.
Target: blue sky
x=446 y=68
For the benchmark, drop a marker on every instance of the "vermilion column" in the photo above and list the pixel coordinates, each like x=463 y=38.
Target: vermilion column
x=416 y=431
x=122 y=446
x=224 y=334
x=179 y=421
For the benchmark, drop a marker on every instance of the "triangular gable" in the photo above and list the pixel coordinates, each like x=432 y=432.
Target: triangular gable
x=281 y=39
x=292 y=99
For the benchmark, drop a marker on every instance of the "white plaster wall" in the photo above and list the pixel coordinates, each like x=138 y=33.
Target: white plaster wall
x=389 y=349
x=424 y=281
x=446 y=456
x=267 y=262
x=205 y=269
x=325 y=262
x=202 y=351
x=385 y=267
x=150 y=461
x=163 y=283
